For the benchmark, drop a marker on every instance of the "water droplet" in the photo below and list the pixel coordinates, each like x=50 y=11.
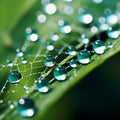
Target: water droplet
x=99 y=47
x=26 y=107
x=68 y=10
x=24 y=60
x=109 y=45
x=1 y=101
x=9 y=63
x=41 y=18
x=11 y=105
x=84 y=57
x=64 y=27
x=72 y=50
x=97 y=1
x=84 y=39
x=43 y=85
x=73 y=63
x=19 y=52
x=26 y=89
x=43 y=74
x=31 y=35
x=50 y=47
x=54 y=37
x=14 y=77
x=60 y=73
x=94 y=29
x=84 y=17
x=49 y=61
x=113 y=33
x=50 y=8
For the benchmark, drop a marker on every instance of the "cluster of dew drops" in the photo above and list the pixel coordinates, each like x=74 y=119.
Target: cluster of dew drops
x=25 y=106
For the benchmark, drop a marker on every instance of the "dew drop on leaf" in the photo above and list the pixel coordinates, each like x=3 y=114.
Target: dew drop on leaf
x=84 y=57
x=60 y=73
x=72 y=50
x=99 y=47
x=64 y=27
x=73 y=63
x=26 y=107
x=14 y=77
x=31 y=35
x=43 y=85
x=49 y=61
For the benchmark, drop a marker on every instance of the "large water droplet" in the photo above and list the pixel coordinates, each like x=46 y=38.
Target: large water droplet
x=84 y=17
x=49 y=61
x=31 y=35
x=113 y=33
x=43 y=85
x=60 y=73
x=14 y=77
x=99 y=47
x=72 y=50
x=26 y=107
x=73 y=63
x=84 y=57
x=64 y=27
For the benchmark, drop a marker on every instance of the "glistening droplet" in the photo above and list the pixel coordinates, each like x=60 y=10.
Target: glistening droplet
x=84 y=57
x=60 y=73
x=26 y=107
x=14 y=77
x=42 y=85
x=49 y=61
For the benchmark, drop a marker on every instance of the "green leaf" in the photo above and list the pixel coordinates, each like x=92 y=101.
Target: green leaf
x=22 y=14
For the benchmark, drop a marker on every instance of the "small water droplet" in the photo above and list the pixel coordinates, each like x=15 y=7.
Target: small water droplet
x=64 y=27
x=68 y=10
x=24 y=60
x=72 y=51
x=84 y=17
x=31 y=35
x=97 y=1
x=84 y=39
x=73 y=63
x=49 y=61
x=60 y=73
x=19 y=52
x=41 y=18
x=54 y=37
x=14 y=77
x=26 y=89
x=43 y=74
x=11 y=105
x=84 y=57
x=113 y=33
x=43 y=85
x=99 y=47
x=109 y=45
x=9 y=63
x=26 y=107
x=50 y=8
x=50 y=47
x=94 y=29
